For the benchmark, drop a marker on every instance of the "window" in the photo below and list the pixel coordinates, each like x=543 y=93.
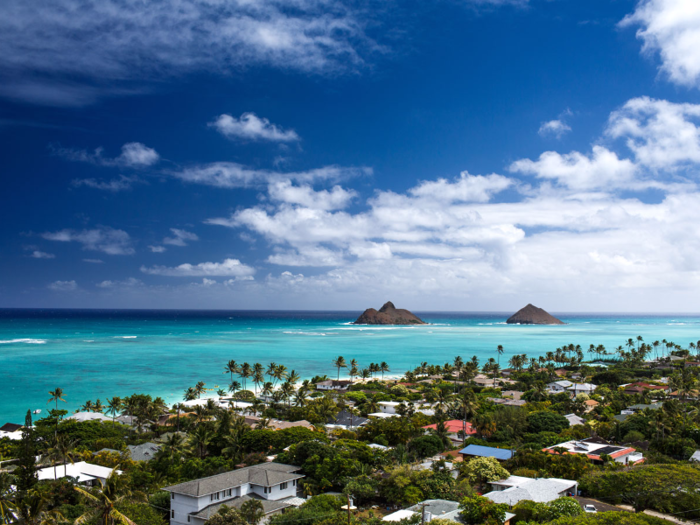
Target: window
x=229 y=492
x=283 y=486
x=172 y=514
x=294 y=483
x=172 y=496
x=188 y=518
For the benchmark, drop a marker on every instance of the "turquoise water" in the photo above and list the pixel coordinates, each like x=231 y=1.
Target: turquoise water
x=99 y=354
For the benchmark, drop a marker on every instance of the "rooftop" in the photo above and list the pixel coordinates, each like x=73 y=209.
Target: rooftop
x=487 y=452
x=265 y=474
x=540 y=490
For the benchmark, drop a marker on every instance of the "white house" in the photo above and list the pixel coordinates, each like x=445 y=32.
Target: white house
x=340 y=386
x=391 y=408
x=582 y=388
x=193 y=502
x=89 y=416
x=434 y=508
x=85 y=473
x=594 y=451
x=558 y=386
x=542 y=490
x=574 y=420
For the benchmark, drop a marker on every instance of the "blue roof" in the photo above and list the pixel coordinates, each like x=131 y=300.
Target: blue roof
x=487 y=452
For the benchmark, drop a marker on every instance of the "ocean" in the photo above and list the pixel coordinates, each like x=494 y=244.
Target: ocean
x=94 y=354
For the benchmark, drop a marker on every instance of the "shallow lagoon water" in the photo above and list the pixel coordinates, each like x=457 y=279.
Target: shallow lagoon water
x=99 y=354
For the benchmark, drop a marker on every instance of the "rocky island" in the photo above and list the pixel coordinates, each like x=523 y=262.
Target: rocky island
x=388 y=314
x=532 y=315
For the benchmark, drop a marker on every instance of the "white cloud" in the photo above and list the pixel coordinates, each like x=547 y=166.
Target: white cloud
x=465 y=188
x=123 y=183
x=157 y=249
x=93 y=261
x=252 y=127
x=102 y=239
x=662 y=135
x=36 y=254
x=232 y=175
x=285 y=191
x=227 y=268
x=126 y=283
x=63 y=286
x=109 y=46
x=671 y=28
x=602 y=169
x=133 y=155
x=556 y=128
x=179 y=238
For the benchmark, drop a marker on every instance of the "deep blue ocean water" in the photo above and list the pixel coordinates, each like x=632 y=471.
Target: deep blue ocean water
x=101 y=353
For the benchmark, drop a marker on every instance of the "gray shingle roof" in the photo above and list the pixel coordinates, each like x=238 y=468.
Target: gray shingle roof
x=538 y=490
x=265 y=474
x=143 y=452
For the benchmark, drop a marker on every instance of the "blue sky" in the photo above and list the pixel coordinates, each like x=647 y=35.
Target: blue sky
x=449 y=155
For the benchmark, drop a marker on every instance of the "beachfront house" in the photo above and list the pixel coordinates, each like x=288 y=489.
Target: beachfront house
x=595 y=448
x=515 y=489
x=337 y=386
x=85 y=473
x=193 y=502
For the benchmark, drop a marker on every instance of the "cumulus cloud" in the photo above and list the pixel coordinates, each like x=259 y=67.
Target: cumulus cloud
x=133 y=155
x=36 y=254
x=180 y=238
x=102 y=239
x=465 y=188
x=670 y=28
x=227 y=268
x=123 y=183
x=251 y=127
x=599 y=170
x=157 y=249
x=556 y=128
x=661 y=134
x=110 y=46
x=304 y=195
x=233 y=175
x=63 y=286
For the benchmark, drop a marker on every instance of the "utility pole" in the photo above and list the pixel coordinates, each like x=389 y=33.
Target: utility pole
x=422 y=513
x=349 y=515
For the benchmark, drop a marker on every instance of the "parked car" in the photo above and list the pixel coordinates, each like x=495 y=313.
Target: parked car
x=589 y=508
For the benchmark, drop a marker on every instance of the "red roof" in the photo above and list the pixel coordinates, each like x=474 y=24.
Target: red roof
x=454 y=426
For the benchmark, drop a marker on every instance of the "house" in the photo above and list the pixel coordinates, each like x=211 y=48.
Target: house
x=695 y=457
x=434 y=508
x=88 y=416
x=193 y=502
x=640 y=387
x=456 y=429
x=633 y=409
x=143 y=452
x=557 y=387
x=509 y=402
x=438 y=462
x=515 y=489
x=277 y=424
x=582 y=388
x=85 y=473
x=391 y=408
x=344 y=420
x=11 y=431
x=574 y=420
x=594 y=448
x=338 y=386
x=501 y=454
x=590 y=405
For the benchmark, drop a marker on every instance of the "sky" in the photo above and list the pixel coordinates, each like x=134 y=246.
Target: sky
x=452 y=155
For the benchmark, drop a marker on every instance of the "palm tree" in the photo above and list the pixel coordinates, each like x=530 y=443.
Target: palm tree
x=64 y=449
x=231 y=368
x=339 y=362
x=88 y=406
x=467 y=404
x=7 y=492
x=114 y=405
x=200 y=439
x=252 y=511
x=499 y=349
x=199 y=389
x=98 y=406
x=104 y=503
x=56 y=395
x=245 y=373
x=383 y=367
x=174 y=446
x=234 y=386
x=354 y=370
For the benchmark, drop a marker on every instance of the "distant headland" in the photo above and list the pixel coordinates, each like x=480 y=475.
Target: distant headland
x=388 y=314
x=532 y=315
